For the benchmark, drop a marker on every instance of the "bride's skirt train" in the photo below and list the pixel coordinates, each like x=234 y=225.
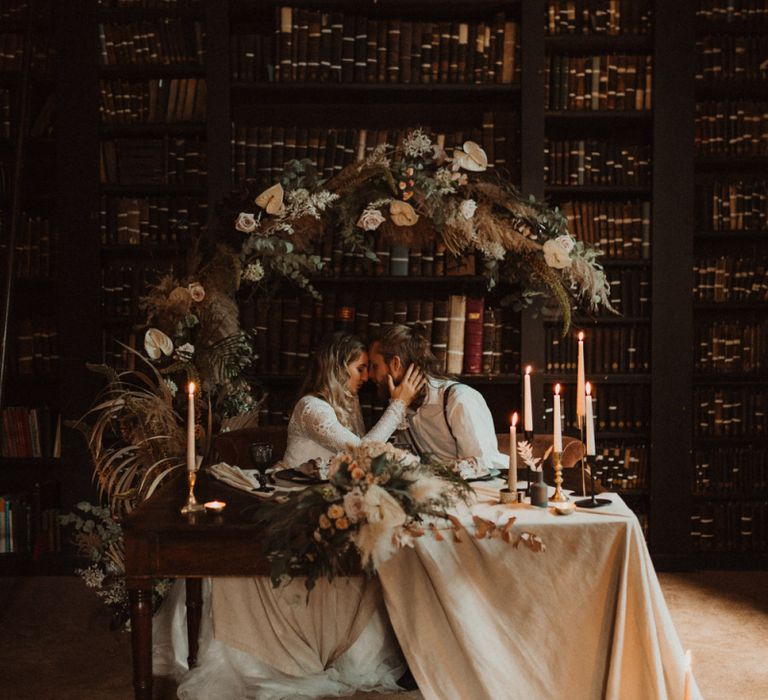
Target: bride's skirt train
x=270 y=643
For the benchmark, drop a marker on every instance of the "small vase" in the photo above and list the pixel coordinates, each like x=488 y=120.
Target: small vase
x=539 y=491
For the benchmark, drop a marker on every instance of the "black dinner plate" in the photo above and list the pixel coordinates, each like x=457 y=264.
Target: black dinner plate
x=488 y=477
x=294 y=476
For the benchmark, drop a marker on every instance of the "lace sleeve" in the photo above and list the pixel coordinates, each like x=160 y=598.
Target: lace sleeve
x=388 y=423
x=323 y=427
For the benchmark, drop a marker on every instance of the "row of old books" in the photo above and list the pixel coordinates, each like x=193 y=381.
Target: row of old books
x=621 y=465
x=618 y=82
x=733 y=128
x=730 y=526
x=730 y=279
x=164 y=41
x=12 y=49
x=151 y=220
x=723 y=347
x=735 y=470
x=596 y=162
x=728 y=57
x=170 y=5
x=616 y=349
x=35 y=247
x=603 y=17
x=156 y=101
x=123 y=285
x=30 y=432
x=619 y=228
x=392 y=260
x=630 y=291
x=736 y=411
x=467 y=335
x=37 y=346
x=617 y=408
x=264 y=150
x=26 y=526
x=733 y=204
x=725 y=11
x=337 y=47
x=170 y=160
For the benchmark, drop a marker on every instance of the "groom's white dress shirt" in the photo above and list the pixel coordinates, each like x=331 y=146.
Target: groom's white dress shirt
x=470 y=420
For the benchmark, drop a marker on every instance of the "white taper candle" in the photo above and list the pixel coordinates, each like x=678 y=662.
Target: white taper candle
x=191 y=464
x=527 y=401
x=512 y=477
x=580 y=379
x=558 y=434
x=590 y=422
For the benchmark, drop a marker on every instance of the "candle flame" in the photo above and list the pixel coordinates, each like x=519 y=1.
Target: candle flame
x=514 y=418
x=581 y=336
x=588 y=388
x=688 y=660
x=557 y=388
x=528 y=369
x=191 y=388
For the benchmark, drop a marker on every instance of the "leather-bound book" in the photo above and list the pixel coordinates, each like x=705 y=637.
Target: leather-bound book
x=306 y=313
x=473 y=336
x=400 y=312
x=326 y=50
x=360 y=50
x=371 y=50
x=457 y=311
x=440 y=331
x=393 y=51
x=289 y=339
x=337 y=46
x=406 y=32
x=398 y=261
x=313 y=45
x=489 y=339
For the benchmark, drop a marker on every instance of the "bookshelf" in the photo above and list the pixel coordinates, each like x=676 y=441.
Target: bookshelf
x=729 y=459
x=30 y=464
x=599 y=66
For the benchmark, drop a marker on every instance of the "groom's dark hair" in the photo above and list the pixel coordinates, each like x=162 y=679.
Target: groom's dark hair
x=412 y=345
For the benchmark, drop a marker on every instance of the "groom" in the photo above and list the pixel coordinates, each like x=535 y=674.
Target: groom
x=450 y=420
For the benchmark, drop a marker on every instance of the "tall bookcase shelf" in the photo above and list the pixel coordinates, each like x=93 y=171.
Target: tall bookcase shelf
x=729 y=508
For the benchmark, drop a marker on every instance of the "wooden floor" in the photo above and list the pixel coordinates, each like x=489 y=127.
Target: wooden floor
x=57 y=644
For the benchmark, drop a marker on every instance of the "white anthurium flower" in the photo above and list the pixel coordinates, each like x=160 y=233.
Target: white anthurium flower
x=157 y=343
x=467 y=208
x=245 y=222
x=472 y=157
x=271 y=200
x=557 y=252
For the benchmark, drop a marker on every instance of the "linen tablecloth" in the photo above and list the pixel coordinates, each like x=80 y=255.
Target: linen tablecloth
x=584 y=619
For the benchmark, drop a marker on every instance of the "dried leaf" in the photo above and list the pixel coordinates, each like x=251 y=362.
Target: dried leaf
x=532 y=541
x=435 y=532
x=506 y=529
x=483 y=527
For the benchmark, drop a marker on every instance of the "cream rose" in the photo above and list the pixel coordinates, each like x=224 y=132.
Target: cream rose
x=246 y=223
x=467 y=208
x=370 y=219
x=157 y=343
x=557 y=252
x=402 y=213
x=196 y=291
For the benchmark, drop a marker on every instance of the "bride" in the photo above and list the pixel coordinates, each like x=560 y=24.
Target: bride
x=275 y=643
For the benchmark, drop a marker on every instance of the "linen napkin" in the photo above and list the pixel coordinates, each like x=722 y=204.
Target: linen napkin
x=244 y=479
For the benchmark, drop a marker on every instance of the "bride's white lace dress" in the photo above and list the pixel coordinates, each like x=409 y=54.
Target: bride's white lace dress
x=266 y=643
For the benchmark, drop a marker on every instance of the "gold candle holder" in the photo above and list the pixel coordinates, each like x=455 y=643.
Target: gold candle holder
x=559 y=496
x=192 y=506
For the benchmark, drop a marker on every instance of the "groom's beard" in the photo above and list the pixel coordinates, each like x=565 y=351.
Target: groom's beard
x=382 y=389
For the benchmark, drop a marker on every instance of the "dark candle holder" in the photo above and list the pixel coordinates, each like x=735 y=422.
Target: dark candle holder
x=529 y=439
x=591 y=502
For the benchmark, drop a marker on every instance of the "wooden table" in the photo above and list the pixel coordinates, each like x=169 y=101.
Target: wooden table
x=160 y=543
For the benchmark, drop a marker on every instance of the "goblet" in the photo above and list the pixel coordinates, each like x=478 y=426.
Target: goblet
x=261 y=456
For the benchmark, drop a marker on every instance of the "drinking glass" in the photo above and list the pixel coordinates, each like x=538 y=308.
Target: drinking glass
x=261 y=456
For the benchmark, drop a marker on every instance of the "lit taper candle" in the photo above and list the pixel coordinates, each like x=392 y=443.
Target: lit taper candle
x=191 y=429
x=557 y=432
x=527 y=401
x=512 y=477
x=580 y=379
x=590 y=422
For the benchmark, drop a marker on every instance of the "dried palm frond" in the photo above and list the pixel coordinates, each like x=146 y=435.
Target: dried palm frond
x=551 y=280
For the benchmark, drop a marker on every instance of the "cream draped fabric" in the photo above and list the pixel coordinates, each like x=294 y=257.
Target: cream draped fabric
x=586 y=619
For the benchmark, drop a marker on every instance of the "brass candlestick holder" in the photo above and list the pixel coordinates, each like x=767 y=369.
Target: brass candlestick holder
x=192 y=506
x=559 y=496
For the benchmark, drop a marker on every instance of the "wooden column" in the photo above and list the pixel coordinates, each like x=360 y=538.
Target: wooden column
x=532 y=174
x=672 y=258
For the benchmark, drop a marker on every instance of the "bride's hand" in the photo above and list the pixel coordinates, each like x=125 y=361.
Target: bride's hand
x=412 y=383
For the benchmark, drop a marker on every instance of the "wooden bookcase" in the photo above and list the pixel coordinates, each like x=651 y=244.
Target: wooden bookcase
x=667 y=130
x=729 y=512
x=30 y=468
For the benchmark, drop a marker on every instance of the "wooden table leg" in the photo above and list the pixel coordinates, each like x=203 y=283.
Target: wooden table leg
x=194 y=613
x=140 y=596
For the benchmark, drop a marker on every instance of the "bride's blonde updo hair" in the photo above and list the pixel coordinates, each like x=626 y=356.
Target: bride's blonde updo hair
x=327 y=374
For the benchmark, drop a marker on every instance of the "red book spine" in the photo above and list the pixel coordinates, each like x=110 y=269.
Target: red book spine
x=473 y=337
